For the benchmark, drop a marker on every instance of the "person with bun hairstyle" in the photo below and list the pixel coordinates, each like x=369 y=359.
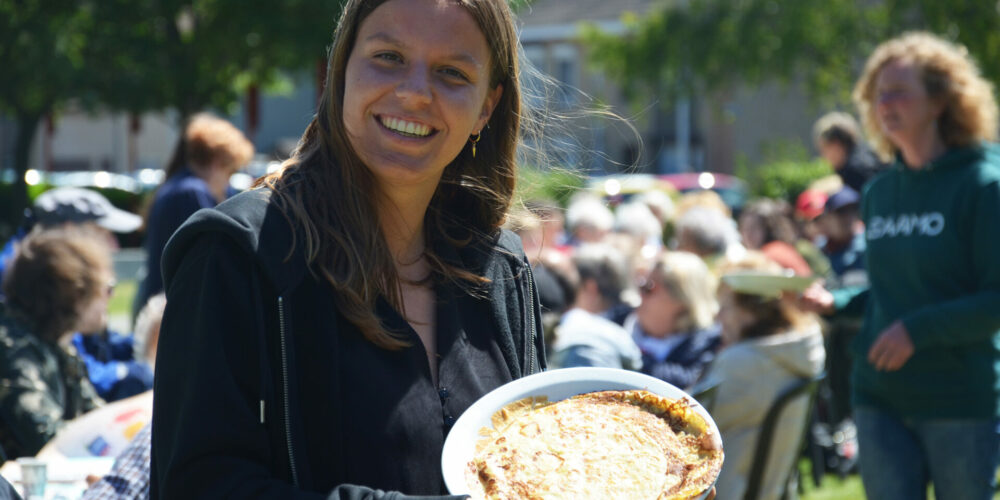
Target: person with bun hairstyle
x=211 y=151
x=926 y=372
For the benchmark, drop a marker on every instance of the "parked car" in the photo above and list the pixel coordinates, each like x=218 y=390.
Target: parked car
x=731 y=189
x=620 y=187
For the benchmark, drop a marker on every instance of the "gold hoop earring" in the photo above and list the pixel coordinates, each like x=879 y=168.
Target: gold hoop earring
x=473 y=141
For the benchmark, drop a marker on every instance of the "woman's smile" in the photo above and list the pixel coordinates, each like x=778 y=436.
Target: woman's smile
x=406 y=128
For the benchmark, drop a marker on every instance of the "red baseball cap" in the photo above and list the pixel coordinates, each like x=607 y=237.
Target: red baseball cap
x=810 y=203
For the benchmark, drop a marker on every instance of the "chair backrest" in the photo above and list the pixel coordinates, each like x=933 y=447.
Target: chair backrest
x=806 y=388
x=705 y=394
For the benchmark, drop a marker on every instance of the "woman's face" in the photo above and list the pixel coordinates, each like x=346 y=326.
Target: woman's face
x=906 y=113
x=732 y=317
x=659 y=310
x=417 y=85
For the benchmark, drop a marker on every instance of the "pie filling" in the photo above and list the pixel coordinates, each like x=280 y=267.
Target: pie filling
x=610 y=444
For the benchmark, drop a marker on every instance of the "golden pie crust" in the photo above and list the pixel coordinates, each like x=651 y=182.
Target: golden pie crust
x=601 y=445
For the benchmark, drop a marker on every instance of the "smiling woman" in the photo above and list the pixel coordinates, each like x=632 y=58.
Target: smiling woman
x=324 y=330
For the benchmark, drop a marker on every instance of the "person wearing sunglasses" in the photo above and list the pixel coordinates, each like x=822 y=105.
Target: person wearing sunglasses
x=674 y=324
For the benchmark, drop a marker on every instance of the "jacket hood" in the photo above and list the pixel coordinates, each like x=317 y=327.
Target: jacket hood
x=253 y=223
x=801 y=352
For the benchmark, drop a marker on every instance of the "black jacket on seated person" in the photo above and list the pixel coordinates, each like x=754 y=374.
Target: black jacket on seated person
x=263 y=390
x=686 y=362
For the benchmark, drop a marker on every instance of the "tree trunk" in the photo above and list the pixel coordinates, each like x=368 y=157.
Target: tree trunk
x=27 y=124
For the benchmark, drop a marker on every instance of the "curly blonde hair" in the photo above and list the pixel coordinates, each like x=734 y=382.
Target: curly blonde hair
x=949 y=74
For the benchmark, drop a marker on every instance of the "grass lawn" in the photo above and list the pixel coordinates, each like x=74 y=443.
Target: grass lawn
x=835 y=488
x=121 y=300
x=832 y=488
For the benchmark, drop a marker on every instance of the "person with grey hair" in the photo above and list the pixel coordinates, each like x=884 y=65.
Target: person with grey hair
x=639 y=222
x=584 y=336
x=147 y=328
x=674 y=325
x=588 y=219
x=707 y=233
x=659 y=203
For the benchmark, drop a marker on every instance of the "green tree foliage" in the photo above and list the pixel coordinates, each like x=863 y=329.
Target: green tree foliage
x=698 y=46
x=554 y=184
x=142 y=55
x=784 y=179
x=704 y=45
x=973 y=23
x=186 y=55
x=41 y=56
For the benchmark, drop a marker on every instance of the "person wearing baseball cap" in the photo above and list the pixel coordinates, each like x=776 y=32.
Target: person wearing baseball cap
x=841 y=225
x=108 y=355
x=78 y=205
x=71 y=205
x=810 y=203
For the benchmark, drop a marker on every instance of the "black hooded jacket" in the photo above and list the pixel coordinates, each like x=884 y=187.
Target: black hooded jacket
x=249 y=396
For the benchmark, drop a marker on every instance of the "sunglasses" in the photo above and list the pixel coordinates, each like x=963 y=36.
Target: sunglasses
x=647 y=285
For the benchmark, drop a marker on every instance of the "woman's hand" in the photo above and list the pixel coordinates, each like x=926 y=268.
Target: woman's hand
x=816 y=299
x=892 y=348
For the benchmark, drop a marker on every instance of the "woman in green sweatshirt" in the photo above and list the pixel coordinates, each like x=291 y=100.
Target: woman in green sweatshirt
x=926 y=373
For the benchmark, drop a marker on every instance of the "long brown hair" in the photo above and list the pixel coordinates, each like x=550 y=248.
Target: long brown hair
x=329 y=194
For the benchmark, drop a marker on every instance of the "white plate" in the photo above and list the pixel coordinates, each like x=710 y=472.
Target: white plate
x=556 y=385
x=767 y=284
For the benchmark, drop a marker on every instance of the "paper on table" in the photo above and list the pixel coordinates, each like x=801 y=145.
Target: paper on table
x=104 y=432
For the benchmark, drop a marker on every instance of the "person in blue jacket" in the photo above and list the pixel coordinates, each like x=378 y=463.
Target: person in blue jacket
x=211 y=151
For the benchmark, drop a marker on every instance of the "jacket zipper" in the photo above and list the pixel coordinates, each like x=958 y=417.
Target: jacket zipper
x=284 y=381
x=531 y=318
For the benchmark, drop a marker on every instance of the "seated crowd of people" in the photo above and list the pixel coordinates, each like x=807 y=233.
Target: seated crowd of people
x=616 y=293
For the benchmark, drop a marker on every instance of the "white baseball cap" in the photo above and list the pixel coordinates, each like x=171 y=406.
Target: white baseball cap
x=71 y=204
